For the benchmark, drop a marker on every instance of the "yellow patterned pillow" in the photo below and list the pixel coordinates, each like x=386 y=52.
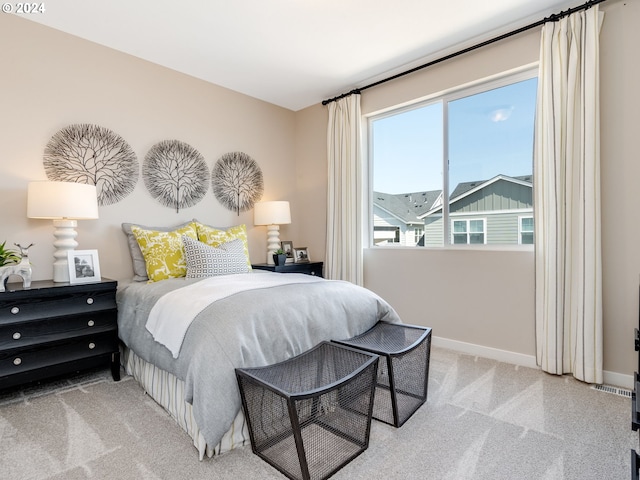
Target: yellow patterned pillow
x=216 y=236
x=163 y=252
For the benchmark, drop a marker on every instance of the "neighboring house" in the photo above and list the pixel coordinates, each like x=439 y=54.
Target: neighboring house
x=396 y=217
x=495 y=211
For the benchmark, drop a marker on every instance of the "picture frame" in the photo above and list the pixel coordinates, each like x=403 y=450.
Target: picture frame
x=301 y=255
x=287 y=247
x=84 y=266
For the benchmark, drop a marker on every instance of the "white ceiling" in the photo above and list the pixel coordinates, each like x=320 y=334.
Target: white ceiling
x=293 y=53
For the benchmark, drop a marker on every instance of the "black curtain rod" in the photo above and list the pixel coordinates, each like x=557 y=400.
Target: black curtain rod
x=551 y=18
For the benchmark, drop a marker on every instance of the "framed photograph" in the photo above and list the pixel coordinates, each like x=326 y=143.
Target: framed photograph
x=287 y=247
x=301 y=255
x=84 y=266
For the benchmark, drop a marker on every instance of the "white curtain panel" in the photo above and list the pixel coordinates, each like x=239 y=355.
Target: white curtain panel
x=344 y=219
x=567 y=199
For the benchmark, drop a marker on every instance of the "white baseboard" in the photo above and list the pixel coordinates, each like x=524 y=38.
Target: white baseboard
x=618 y=379
x=486 y=352
x=610 y=378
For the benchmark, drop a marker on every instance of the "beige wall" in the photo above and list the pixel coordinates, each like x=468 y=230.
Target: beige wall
x=311 y=179
x=620 y=129
x=50 y=80
x=487 y=298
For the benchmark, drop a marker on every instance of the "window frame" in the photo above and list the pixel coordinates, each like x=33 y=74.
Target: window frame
x=503 y=79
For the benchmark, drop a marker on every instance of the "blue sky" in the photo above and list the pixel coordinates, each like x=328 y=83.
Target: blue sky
x=490 y=133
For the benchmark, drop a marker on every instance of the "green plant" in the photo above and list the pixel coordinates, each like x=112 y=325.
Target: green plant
x=279 y=252
x=8 y=256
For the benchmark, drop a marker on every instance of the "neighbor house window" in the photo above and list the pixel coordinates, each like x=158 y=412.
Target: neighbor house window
x=418 y=232
x=467 y=153
x=469 y=232
x=526 y=230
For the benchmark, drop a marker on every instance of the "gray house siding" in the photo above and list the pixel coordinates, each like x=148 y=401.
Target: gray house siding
x=500 y=195
x=500 y=228
x=503 y=229
x=433 y=231
x=500 y=204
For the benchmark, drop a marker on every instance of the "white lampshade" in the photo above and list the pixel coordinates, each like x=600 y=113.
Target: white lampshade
x=272 y=213
x=64 y=202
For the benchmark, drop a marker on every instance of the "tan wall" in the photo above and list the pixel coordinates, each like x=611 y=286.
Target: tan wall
x=311 y=179
x=487 y=298
x=620 y=127
x=50 y=80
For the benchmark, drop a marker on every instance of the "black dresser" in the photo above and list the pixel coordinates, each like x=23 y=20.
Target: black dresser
x=51 y=329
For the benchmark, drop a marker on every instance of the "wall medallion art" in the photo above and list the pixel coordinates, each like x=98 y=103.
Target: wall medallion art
x=94 y=155
x=237 y=181
x=175 y=174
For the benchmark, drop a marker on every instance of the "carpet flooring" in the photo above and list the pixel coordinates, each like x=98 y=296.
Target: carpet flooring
x=483 y=420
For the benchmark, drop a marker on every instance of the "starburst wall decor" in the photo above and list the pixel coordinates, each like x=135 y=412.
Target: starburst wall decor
x=175 y=174
x=237 y=181
x=93 y=155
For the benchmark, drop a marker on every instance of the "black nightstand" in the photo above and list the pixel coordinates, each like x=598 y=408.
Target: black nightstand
x=310 y=268
x=51 y=329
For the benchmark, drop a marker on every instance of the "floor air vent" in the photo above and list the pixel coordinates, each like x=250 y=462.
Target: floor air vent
x=615 y=390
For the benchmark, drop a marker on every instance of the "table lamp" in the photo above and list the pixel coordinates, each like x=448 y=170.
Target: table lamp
x=64 y=202
x=272 y=214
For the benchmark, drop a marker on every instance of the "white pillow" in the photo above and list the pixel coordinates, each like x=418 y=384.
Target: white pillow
x=206 y=261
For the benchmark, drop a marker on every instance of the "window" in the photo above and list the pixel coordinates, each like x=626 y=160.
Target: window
x=526 y=230
x=460 y=165
x=418 y=232
x=469 y=232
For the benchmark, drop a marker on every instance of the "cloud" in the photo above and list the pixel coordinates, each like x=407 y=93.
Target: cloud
x=501 y=114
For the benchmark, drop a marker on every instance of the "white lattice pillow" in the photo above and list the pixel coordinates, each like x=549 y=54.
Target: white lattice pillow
x=206 y=261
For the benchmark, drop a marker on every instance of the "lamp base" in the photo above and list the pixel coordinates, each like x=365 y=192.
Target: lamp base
x=273 y=242
x=65 y=234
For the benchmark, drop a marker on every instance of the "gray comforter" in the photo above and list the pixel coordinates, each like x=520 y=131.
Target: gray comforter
x=253 y=328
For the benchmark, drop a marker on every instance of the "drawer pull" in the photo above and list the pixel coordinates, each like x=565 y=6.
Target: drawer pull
x=17 y=361
x=15 y=310
x=91 y=323
x=17 y=336
x=90 y=301
x=92 y=346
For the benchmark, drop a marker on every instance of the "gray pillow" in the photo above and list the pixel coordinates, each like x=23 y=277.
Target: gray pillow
x=139 y=265
x=206 y=261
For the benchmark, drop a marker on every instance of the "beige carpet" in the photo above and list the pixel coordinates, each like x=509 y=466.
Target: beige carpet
x=484 y=420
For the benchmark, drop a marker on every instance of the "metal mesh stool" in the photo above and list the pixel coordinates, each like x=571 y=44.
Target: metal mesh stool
x=310 y=415
x=403 y=374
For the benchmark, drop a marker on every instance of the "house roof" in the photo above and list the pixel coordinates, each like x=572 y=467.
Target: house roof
x=407 y=207
x=463 y=189
x=415 y=206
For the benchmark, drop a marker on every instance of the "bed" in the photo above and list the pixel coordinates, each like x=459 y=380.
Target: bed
x=183 y=336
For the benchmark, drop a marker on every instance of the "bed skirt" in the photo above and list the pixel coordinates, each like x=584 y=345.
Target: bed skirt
x=168 y=391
